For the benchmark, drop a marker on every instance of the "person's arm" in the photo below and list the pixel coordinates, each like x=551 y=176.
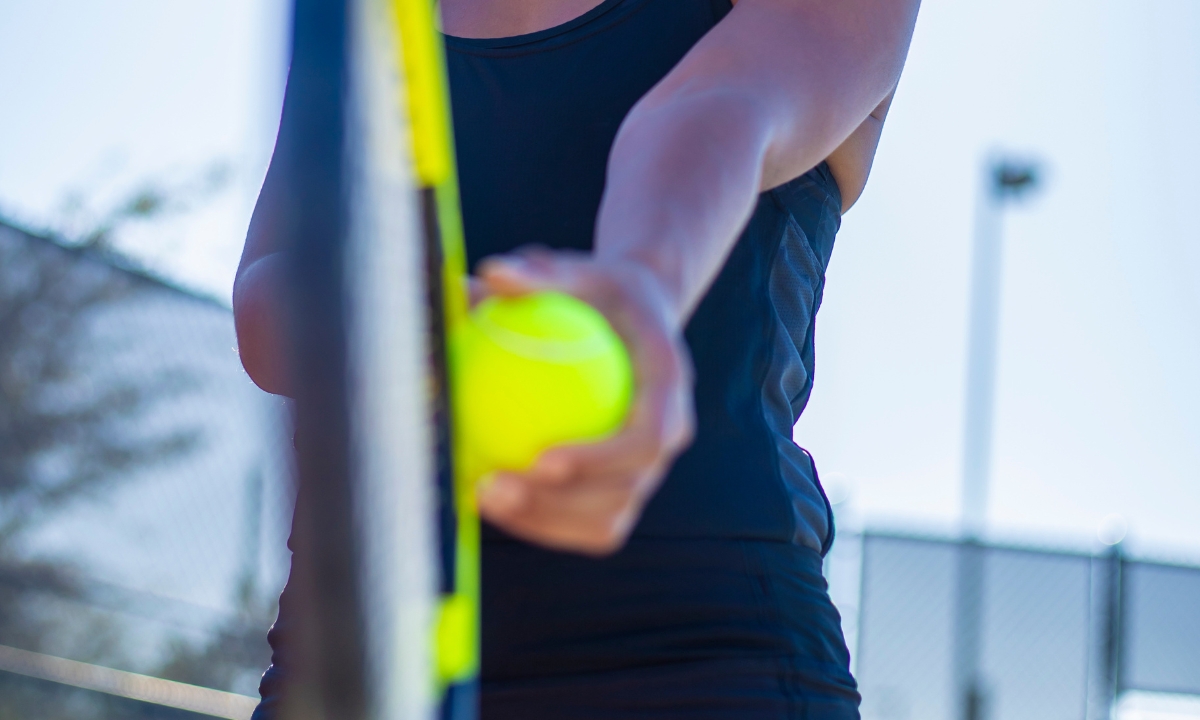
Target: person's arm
x=770 y=92
x=851 y=162
x=258 y=311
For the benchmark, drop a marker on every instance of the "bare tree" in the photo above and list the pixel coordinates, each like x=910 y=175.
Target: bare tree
x=69 y=434
x=62 y=435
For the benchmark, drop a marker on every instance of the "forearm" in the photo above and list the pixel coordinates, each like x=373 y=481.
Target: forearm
x=772 y=91
x=683 y=179
x=258 y=313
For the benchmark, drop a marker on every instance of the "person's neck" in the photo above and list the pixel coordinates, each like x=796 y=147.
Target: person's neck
x=507 y=18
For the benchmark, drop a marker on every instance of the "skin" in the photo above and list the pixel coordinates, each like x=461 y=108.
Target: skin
x=774 y=89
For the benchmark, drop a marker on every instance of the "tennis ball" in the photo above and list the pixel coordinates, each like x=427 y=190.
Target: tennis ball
x=533 y=372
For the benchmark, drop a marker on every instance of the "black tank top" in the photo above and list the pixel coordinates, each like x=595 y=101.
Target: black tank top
x=534 y=118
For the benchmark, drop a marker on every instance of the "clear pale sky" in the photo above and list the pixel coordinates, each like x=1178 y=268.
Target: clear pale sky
x=1098 y=402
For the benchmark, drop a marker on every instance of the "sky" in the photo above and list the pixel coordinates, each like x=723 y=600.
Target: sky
x=102 y=99
x=1098 y=402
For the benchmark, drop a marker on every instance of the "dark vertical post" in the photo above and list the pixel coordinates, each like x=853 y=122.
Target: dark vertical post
x=326 y=648
x=968 y=630
x=1114 y=585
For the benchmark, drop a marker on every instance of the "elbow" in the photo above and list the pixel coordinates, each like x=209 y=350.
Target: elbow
x=260 y=326
x=256 y=361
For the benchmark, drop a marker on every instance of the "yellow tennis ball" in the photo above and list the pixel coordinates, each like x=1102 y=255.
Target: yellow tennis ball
x=533 y=372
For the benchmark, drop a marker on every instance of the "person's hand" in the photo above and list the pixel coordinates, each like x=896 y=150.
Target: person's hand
x=586 y=498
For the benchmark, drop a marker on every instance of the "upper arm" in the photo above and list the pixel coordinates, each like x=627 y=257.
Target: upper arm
x=263 y=237
x=815 y=70
x=851 y=162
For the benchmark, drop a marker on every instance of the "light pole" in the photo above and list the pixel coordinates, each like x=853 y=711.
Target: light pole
x=1004 y=180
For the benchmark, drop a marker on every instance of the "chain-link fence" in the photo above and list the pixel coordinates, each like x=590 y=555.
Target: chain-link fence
x=1160 y=628
x=144 y=499
x=144 y=502
x=961 y=630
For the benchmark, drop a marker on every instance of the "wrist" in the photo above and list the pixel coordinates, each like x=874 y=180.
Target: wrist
x=645 y=280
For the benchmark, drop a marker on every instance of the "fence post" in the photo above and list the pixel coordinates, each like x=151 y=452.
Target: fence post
x=1114 y=563
x=968 y=631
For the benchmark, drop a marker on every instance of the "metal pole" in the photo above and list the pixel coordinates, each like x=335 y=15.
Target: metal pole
x=981 y=358
x=1115 y=564
x=968 y=630
x=1003 y=180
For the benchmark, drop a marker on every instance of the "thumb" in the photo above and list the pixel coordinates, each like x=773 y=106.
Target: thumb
x=516 y=275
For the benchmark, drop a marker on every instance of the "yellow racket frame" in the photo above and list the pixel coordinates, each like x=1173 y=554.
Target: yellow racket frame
x=423 y=67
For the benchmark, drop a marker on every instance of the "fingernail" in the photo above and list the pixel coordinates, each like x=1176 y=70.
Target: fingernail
x=511 y=264
x=502 y=493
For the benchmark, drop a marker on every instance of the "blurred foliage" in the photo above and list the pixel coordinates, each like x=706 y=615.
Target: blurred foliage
x=64 y=430
x=236 y=655
x=69 y=434
x=85 y=225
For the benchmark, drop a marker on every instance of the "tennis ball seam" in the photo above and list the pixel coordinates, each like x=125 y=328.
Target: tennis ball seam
x=546 y=349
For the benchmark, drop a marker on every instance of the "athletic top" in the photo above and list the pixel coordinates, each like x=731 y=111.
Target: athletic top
x=717 y=599
x=534 y=119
